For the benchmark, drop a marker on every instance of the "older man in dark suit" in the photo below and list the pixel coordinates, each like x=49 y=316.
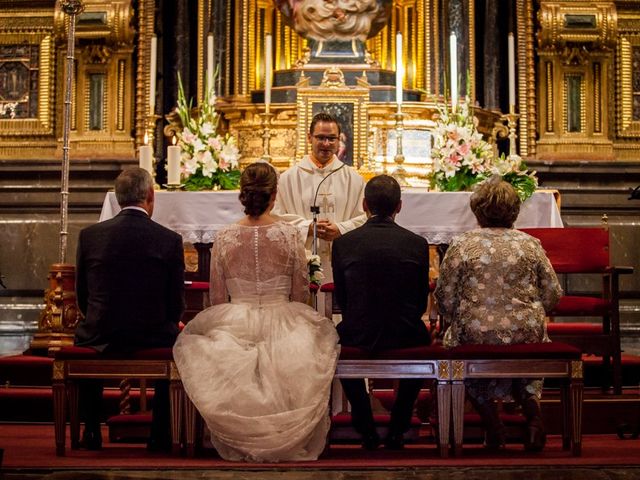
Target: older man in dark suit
x=130 y=288
x=381 y=277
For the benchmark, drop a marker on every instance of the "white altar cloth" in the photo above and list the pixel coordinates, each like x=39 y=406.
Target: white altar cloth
x=436 y=216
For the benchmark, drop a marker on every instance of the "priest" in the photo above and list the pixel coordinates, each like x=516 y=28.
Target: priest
x=321 y=179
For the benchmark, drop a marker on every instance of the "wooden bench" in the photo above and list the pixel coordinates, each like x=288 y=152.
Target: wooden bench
x=429 y=363
x=529 y=360
x=72 y=364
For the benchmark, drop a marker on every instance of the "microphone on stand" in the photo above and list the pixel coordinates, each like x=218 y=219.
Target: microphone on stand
x=315 y=211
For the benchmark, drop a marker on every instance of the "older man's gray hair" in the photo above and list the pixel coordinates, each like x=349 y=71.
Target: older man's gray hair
x=132 y=186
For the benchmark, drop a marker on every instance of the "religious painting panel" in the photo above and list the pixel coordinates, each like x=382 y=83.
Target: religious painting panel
x=349 y=106
x=26 y=83
x=343 y=112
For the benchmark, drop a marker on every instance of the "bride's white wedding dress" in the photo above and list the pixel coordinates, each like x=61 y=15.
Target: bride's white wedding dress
x=258 y=367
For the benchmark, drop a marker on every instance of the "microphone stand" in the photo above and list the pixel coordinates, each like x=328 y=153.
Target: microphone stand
x=315 y=211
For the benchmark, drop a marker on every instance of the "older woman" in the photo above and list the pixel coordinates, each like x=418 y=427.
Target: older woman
x=494 y=287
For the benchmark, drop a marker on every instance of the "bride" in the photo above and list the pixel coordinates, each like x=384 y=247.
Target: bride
x=258 y=364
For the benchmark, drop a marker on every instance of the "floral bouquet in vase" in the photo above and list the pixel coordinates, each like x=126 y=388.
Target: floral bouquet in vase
x=512 y=169
x=208 y=159
x=461 y=158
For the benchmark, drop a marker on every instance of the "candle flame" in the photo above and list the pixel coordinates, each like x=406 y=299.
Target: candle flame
x=174 y=140
x=146 y=138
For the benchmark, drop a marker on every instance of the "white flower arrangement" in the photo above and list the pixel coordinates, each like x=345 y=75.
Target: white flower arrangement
x=513 y=170
x=315 y=269
x=208 y=160
x=461 y=158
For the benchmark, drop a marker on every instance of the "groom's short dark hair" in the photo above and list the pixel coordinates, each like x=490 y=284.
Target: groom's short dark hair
x=382 y=194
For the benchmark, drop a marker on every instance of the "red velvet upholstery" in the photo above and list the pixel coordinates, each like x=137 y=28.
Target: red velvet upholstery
x=352 y=353
x=327 y=287
x=585 y=251
x=76 y=353
x=574 y=306
x=573 y=249
x=197 y=286
x=85 y=353
x=153 y=354
x=523 y=350
x=130 y=418
x=433 y=352
x=570 y=328
x=344 y=420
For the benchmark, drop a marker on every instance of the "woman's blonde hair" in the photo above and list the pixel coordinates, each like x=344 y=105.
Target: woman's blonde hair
x=495 y=203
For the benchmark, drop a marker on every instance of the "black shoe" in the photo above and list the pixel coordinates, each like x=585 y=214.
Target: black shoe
x=370 y=441
x=394 y=441
x=91 y=440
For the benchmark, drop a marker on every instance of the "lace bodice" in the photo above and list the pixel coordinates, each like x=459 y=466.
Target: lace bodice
x=257 y=263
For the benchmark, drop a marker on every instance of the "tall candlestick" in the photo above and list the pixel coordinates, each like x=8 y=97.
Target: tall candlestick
x=146 y=156
x=173 y=164
x=210 y=67
x=267 y=73
x=512 y=71
x=453 y=60
x=399 y=69
x=152 y=74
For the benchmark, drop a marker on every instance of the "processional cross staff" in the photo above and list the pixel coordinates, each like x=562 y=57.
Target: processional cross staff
x=60 y=316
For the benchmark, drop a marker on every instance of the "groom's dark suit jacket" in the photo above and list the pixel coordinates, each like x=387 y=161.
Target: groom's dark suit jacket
x=381 y=277
x=129 y=283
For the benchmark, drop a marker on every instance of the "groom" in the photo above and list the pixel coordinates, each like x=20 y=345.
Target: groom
x=381 y=278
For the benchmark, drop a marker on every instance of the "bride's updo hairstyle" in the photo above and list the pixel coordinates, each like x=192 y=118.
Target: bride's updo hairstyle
x=258 y=183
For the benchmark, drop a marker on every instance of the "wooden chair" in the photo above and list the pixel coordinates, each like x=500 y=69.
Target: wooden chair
x=582 y=251
x=528 y=360
x=72 y=364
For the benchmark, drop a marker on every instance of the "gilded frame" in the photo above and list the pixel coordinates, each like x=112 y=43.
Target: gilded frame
x=355 y=99
x=43 y=123
x=627 y=127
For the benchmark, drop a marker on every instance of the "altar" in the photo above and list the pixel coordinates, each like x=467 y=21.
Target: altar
x=436 y=216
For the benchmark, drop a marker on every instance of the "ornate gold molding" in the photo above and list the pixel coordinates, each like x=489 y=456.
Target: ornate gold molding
x=444 y=372
x=457 y=370
x=577 y=22
x=627 y=125
x=576 y=369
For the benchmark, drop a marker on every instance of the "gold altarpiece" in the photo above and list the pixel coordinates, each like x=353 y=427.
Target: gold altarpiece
x=577 y=85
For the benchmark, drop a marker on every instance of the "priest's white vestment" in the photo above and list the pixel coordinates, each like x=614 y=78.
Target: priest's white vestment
x=339 y=198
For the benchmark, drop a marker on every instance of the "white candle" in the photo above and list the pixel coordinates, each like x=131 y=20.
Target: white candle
x=152 y=74
x=453 y=57
x=512 y=70
x=399 y=69
x=173 y=164
x=146 y=156
x=267 y=73
x=210 y=67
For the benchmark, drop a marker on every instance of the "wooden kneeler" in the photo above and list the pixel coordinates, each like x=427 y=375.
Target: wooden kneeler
x=417 y=362
x=529 y=360
x=79 y=363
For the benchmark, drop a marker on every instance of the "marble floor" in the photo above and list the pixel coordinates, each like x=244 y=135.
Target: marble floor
x=453 y=473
